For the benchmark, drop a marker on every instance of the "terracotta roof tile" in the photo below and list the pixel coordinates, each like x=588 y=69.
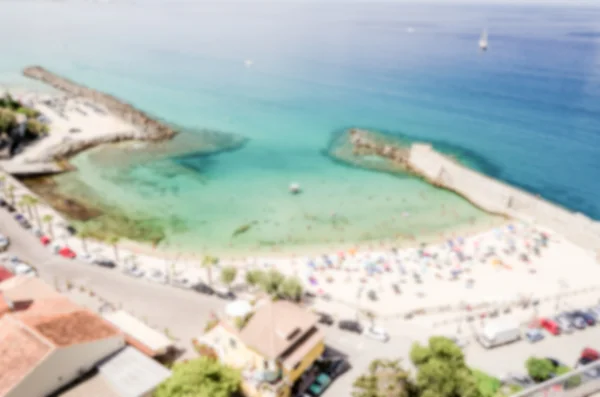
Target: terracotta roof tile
x=20 y=351
x=72 y=328
x=276 y=326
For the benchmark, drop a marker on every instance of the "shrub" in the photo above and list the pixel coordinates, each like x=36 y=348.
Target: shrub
x=210 y=324
x=539 y=369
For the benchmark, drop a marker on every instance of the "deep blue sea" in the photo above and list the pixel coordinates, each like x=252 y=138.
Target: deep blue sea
x=528 y=108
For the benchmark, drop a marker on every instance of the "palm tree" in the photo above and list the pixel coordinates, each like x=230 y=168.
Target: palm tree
x=84 y=235
x=26 y=203
x=48 y=219
x=11 y=194
x=32 y=202
x=208 y=262
x=114 y=240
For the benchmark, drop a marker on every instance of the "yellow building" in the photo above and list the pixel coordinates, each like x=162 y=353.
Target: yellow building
x=274 y=349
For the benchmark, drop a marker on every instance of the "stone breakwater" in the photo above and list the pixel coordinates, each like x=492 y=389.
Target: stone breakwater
x=483 y=191
x=151 y=129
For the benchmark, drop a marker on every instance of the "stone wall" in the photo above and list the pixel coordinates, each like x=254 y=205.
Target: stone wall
x=500 y=198
x=151 y=129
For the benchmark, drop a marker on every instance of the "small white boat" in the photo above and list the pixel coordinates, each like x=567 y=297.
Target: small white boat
x=483 y=40
x=248 y=63
x=295 y=188
x=410 y=29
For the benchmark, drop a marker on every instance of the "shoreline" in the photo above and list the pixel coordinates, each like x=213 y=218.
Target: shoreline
x=298 y=252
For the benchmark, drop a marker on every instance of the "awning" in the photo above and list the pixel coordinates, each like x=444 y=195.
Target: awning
x=152 y=342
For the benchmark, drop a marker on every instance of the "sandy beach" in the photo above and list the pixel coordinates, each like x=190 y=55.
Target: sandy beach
x=491 y=264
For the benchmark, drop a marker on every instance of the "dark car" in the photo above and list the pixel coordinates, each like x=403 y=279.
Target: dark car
x=72 y=231
x=350 y=325
x=10 y=208
x=587 y=317
x=228 y=295
x=325 y=318
x=105 y=263
x=203 y=289
x=3 y=202
x=337 y=368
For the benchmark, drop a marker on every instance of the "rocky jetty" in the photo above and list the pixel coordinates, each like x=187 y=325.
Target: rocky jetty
x=151 y=129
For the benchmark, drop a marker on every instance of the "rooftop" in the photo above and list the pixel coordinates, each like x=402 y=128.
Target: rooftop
x=27 y=288
x=277 y=326
x=71 y=328
x=139 y=334
x=21 y=350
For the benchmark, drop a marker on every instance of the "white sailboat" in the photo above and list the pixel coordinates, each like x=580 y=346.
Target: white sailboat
x=483 y=40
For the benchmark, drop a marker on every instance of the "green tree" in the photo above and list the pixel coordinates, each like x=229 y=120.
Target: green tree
x=114 y=240
x=385 y=378
x=254 y=277
x=26 y=202
x=201 y=377
x=539 y=369
x=48 y=219
x=272 y=281
x=291 y=288
x=8 y=120
x=28 y=112
x=228 y=275
x=208 y=263
x=35 y=128
x=442 y=371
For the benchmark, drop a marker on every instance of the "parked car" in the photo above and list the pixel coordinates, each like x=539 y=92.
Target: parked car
x=182 y=282
x=460 y=342
x=22 y=221
x=376 y=333
x=157 y=276
x=4 y=242
x=587 y=317
x=134 y=271
x=550 y=326
x=517 y=379
x=67 y=252
x=534 y=335
x=37 y=232
x=89 y=258
x=23 y=269
x=105 y=263
x=72 y=231
x=350 y=325
x=45 y=240
x=224 y=293
x=321 y=383
x=325 y=318
x=10 y=208
x=3 y=202
x=577 y=320
x=337 y=367
x=595 y=310
x=566 y=327
x=203 y=289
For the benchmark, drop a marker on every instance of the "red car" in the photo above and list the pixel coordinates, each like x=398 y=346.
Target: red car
x=67 y=252
x=550 y=326
x=45 y=240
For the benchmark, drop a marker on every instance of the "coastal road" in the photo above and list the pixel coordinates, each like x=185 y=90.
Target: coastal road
x=185 y=313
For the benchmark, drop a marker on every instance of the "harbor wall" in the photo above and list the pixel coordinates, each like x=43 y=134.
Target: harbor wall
x=151 y=128
x=496 y=197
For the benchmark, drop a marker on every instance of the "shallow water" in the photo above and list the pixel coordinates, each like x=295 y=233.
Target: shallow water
x=528 y=110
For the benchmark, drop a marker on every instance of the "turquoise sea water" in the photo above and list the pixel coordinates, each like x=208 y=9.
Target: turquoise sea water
x=527 y=111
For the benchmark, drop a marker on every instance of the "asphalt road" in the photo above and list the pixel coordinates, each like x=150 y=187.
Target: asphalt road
x=185 y=313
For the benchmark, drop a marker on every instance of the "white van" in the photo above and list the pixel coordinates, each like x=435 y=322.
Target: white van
x=499 y=331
